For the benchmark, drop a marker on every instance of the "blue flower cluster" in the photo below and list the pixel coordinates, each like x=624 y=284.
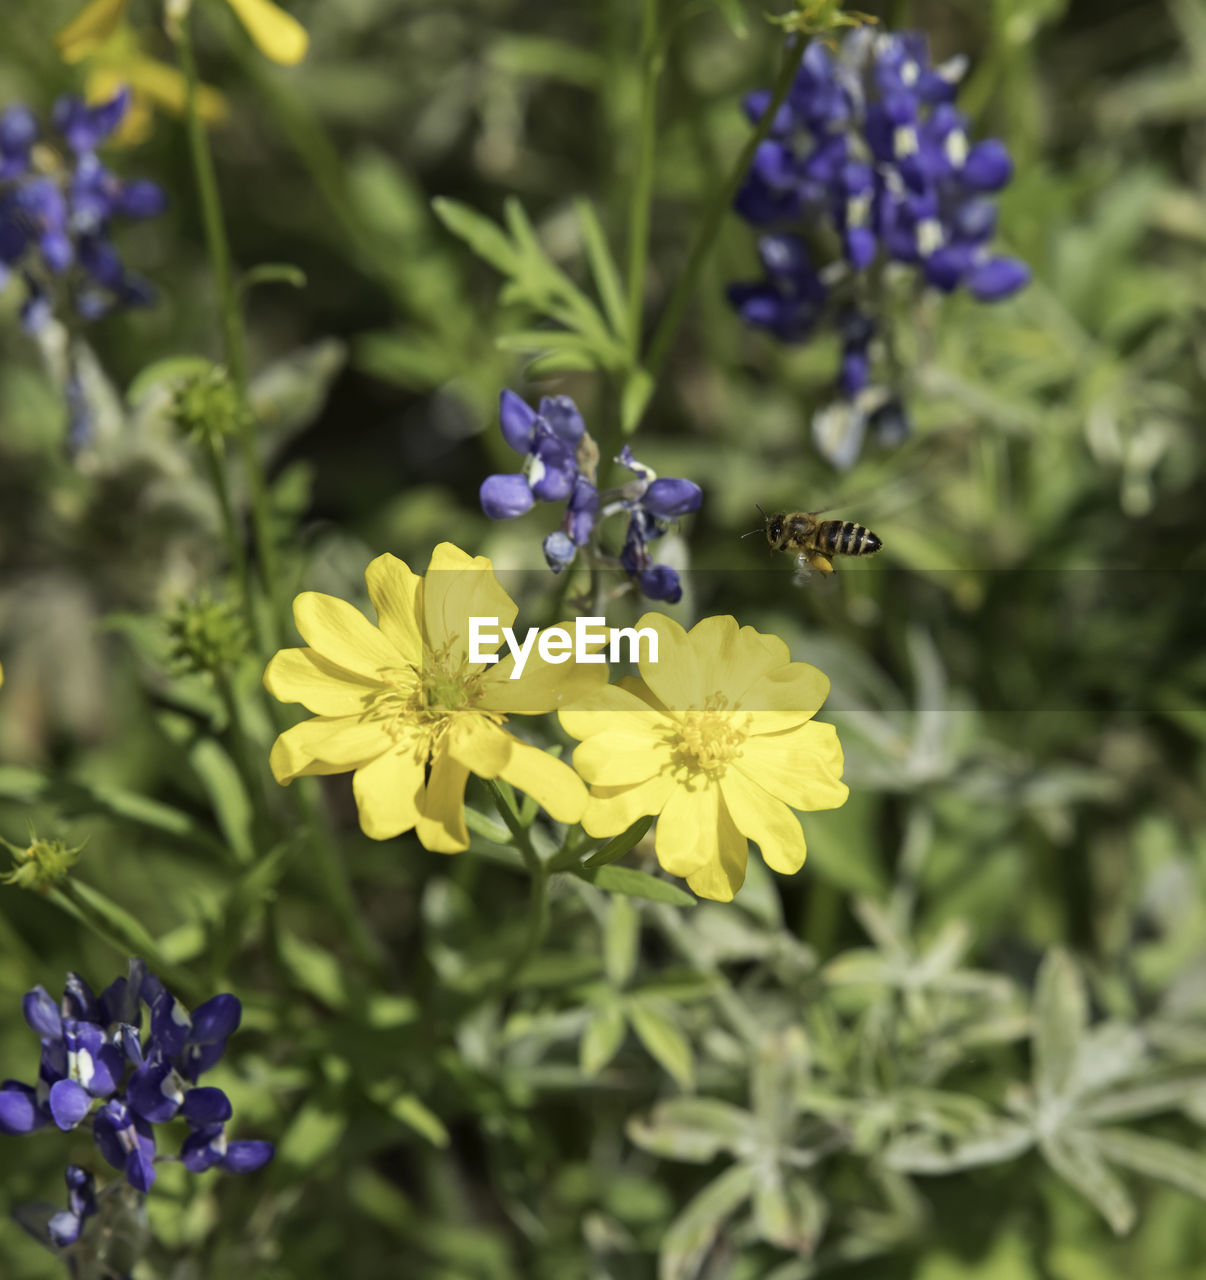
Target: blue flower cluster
x=56 y=214
x=559 y=465
x=868 y=162
x=93 y=1052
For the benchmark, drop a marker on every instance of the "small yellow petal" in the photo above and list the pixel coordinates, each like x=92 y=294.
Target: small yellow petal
x=621 y=759
x=293 y=753
x=793 y=688
x=343 y=635
x=542 y=686
x=802 y=767
x=686 y=836
x=479 y=744
x=614 y=809
x=389 y=791
x=278 y=34
x=551 y=783
x=301 y=675
x=397 y=595
x=609 y=709
x=768 y=822
x=459 y=587
x=91 y=27
x=638 y=688
x=725 y=874
x=441 y=825
x=162 y=83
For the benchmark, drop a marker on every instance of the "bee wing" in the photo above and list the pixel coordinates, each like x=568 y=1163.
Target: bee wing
x=804 y=571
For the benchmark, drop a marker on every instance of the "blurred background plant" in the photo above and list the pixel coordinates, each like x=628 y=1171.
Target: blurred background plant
x=969 y=1039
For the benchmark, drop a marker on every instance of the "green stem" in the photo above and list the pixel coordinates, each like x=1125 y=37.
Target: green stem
x=233 y=337
x=538 y=899
x=215 y=461
x=640 y=206
x=523 y=841
x=667 y=327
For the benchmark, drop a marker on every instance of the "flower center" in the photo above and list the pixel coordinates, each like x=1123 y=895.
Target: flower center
x=448 y=681
x=708 y=741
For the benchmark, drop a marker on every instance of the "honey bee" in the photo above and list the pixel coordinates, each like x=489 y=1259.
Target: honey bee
x=816 y=542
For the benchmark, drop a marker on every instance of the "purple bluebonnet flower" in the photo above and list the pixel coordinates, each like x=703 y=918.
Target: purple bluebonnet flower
x=55 y=219
x=93 y=1051
x=559 y=466
x=64 y=1227
x=869 y=154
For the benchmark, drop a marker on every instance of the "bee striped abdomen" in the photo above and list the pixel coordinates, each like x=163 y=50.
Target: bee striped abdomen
x=846 y=538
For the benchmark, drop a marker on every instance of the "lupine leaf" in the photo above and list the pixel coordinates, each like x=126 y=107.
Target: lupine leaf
x=619 y=845
x=637 y=884
x=1155 y=1158
x=692 y=1233
x=620 y=940
x=991 y=1142
x=602 y=1038
x=603 y=268
x=788 y=1212
x=313 y=969
x=484 y=236
x=1060 y=1017
x=1077 y=1159
x=694 y=1129
x=664 y=1039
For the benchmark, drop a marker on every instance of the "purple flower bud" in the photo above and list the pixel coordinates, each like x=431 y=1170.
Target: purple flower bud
x=42 y=1013
x=667 y=499
x=561 y=413
x=69 y=1103
x=860 y=246
x=247 y=1156
x=975 y=221
x=155 y=1091
x=216 y=1019
x=551 y=469
x=64 y=1228
x=988 y=166
x=503 y=497
x=772 y=164
x=660 y=582
x=141 y=199
x=19 y=1110
x=997 y=278
x=204 y=1148
x=946 y=267
x=855 y=373
x=755 y=106
x=582 y=511
x=518 y=421
x=559 y=551
x=206 y=1106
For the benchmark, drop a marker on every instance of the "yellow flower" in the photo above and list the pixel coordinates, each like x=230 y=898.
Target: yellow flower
x=392 y=699
x=718 y=740
x=277 y=34
x=112 y=53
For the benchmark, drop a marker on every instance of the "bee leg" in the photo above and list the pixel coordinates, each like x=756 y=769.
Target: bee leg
x=822 y=563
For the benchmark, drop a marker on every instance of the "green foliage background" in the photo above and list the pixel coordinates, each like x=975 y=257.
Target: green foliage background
x=882 y=1067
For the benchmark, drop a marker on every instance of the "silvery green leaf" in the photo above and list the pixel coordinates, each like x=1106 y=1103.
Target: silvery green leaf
x=692 y=1234
x=620 y=938
x=1078 y=1160
x=1155 y=1158
x=788 y=1212
x=1142 y=1100
x=991 y=1142
x=694 y=1129
x=944 y=954
x=1110 y=1052
x=1060 y=1016
x=664 y=1040
x=290 y=393
x=859 y=966
x=605 y=1032
x=780 y=1067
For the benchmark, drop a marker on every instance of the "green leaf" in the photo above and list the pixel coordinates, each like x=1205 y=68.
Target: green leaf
x=314 y=970
x=601 y=1041
x=636 y=884
x=991 y=1142
x=1155 y=1158
x=315 y=1132
x=273 y=273
x=665 y=1041
x=111 y=921
x=168 y=370
x=691 y=1235
x=1076 y=1158
x=1060 y=1016
x=638 y=387
x=482 y=235
x=734 y=15
x=1141 y=1100
x=696 y=1130
x=603 y=267
x=620 y=940
x=408 y=1110
x=788 y=1212
x=619 y=845
x=219 y=775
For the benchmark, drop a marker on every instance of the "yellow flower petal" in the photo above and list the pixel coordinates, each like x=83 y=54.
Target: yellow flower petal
x=389 y=791
x=91 y=27
x=343 y=635
x=543 y=686
x=725 y=873
x=794 y=689
x=301 y=675
x=344 y=741
x=638 y=688
x=441 y=825
x=459 y=587
x=608 y=709
x=162 y=83
x=802 y=767
x=686 y=837
x=614 y=809
x=293 y=753
x=551 y=783
x=767 y=821
x=278 y=34
x=479 y=744
x=621 y=759
x=397 y=595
